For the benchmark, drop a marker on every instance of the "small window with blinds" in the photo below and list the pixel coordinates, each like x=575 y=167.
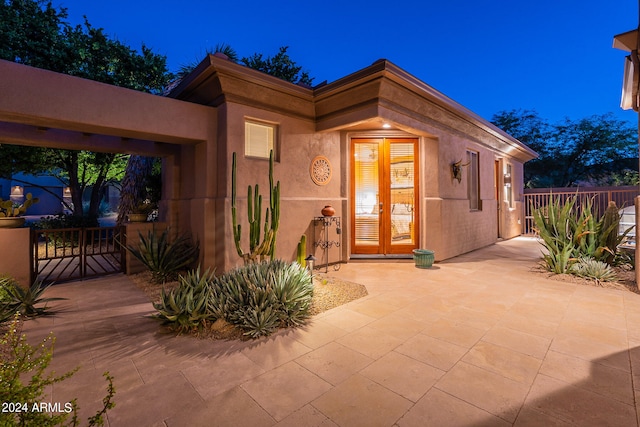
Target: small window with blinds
x=473 y=181
x=259 y=139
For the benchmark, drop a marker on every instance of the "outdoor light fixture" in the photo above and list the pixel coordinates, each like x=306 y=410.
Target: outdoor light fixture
x=310 y=262
x=507 y=180
x=17 y=191
x=386 y=126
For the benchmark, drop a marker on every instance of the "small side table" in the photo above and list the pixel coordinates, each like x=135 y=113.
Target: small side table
x=327 y=222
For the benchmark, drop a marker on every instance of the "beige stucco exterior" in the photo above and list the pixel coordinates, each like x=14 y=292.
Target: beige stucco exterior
x=200 y=124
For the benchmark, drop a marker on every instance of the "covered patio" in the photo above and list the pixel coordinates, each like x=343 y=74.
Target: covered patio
x=478 y=340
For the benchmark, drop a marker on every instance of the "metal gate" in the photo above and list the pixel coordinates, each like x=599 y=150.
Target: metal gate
x=76 y=253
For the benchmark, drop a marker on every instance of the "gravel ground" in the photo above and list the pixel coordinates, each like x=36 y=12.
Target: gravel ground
x=625 y=278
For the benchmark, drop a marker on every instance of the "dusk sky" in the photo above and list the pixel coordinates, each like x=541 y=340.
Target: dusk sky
x=554 y=56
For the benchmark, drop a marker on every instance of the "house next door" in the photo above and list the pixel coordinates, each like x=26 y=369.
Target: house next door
x=384 y=188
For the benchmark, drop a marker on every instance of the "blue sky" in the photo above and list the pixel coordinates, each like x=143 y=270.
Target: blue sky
x=554 y=56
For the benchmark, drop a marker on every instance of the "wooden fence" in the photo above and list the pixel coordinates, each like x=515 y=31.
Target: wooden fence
x=601 y=196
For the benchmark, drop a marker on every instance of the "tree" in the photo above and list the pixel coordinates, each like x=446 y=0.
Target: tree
x=281 y=65
x=33 y=32
x=595 y=150
x=223 y=48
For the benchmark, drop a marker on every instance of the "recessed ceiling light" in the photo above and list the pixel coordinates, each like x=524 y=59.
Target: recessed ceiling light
x=386 y=125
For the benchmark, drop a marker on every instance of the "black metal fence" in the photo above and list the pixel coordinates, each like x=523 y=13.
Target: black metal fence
x=76 y=253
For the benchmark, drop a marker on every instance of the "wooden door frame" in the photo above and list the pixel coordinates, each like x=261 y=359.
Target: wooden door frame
x=385 y=247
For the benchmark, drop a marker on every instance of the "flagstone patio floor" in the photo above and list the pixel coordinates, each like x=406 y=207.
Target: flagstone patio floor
x=478 y=340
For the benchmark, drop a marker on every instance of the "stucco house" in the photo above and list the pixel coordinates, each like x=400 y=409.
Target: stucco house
x=403 y=166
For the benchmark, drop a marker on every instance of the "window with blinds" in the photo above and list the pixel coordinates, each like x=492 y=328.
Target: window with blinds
x=259 y=139
x=473 y=181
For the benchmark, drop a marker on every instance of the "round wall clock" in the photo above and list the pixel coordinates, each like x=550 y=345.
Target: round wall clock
x=320 y=170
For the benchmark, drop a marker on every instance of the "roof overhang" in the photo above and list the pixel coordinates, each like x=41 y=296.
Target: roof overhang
x=385 y=92
x=40 y=107
x=217 y=80
x=380 y=92
x=626 y=41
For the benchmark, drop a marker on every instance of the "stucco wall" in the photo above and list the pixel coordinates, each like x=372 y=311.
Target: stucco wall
x=15 y=254
x=301 y=199
x=449 y=226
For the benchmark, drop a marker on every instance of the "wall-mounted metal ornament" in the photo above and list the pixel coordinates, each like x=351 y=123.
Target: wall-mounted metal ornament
x=456 y=169
x=320 y=170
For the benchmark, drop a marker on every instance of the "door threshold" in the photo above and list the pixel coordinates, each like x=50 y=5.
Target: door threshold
x=380 y=256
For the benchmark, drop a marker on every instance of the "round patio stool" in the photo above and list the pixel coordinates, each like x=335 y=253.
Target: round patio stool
x=423 y=258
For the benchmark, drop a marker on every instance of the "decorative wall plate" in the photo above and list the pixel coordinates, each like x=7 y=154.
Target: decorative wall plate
x=320 y=170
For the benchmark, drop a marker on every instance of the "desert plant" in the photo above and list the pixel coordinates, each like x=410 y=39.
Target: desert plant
x=593 y=269
x=258 y=249
x=186 y=307
x=554 y=226
x=261 y=297
x=301 y=251
x=10 y=209
x=163 y=256
x=609 y=234
x=569 y=233
x=24 y=299
x=21 y=362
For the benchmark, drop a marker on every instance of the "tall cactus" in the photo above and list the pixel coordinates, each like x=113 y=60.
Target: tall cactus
x=301 y=251
x=258 y=250
x=609 y=231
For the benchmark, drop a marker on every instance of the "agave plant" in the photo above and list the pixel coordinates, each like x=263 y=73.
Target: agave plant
x=260 y=298
x=165 y=257
x=24 y=300
x=186 y=307
x=593 y=269
x=554 y=225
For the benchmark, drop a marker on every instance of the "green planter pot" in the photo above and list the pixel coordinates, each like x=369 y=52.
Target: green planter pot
x=423 y=258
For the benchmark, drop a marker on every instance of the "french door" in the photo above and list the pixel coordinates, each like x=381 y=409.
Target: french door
x=384 y=191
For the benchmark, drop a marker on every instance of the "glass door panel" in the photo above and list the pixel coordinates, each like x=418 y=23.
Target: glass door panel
x=367 y=195
x=402 y=193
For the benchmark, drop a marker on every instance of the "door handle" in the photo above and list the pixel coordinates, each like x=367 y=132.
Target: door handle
x=380 y=205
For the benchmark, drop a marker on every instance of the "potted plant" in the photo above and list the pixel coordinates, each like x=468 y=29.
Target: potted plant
x=141 y=212
x=10 y=212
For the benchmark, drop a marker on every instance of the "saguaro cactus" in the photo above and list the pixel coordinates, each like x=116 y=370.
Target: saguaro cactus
x=257 y=249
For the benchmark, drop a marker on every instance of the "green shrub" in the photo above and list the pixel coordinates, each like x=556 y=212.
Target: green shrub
x=19 y=363
x=24 y=300
x=593 y=269
x=262 y=297
x=187 y=306
x=165 y=257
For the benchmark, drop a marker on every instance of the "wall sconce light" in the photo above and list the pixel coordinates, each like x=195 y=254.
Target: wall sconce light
x=507 y=180
x=66 y=192
x=17 y=194
x=311 y=260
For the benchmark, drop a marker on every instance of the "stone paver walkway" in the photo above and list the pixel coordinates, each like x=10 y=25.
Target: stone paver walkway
x=478 y=340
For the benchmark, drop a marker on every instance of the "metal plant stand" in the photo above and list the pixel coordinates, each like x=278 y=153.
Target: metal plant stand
x=324 y=243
